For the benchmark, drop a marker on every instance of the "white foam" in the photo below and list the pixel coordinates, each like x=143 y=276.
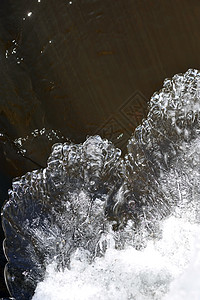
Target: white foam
x=165 y=269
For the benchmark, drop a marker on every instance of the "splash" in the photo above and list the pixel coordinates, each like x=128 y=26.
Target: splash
x=149 y=274
x=94 y=223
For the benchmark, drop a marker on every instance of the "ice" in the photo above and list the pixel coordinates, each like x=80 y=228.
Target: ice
x=52 y=212
x=93 y=224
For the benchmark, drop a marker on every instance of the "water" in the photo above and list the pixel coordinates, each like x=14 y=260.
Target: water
x=167 y=269
x=93 y=224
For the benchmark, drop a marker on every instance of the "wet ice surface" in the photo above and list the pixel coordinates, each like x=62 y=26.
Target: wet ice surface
x=94 y=225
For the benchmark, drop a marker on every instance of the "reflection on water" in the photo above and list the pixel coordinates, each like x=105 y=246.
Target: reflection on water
x=90 y=211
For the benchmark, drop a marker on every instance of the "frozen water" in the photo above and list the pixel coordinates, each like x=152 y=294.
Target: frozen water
x=52 y=212
x=95 y=225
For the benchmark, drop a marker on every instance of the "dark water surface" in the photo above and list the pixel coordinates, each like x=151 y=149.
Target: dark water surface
x=81 y=68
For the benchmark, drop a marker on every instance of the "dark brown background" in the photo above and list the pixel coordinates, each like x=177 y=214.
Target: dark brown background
x=104 y=61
